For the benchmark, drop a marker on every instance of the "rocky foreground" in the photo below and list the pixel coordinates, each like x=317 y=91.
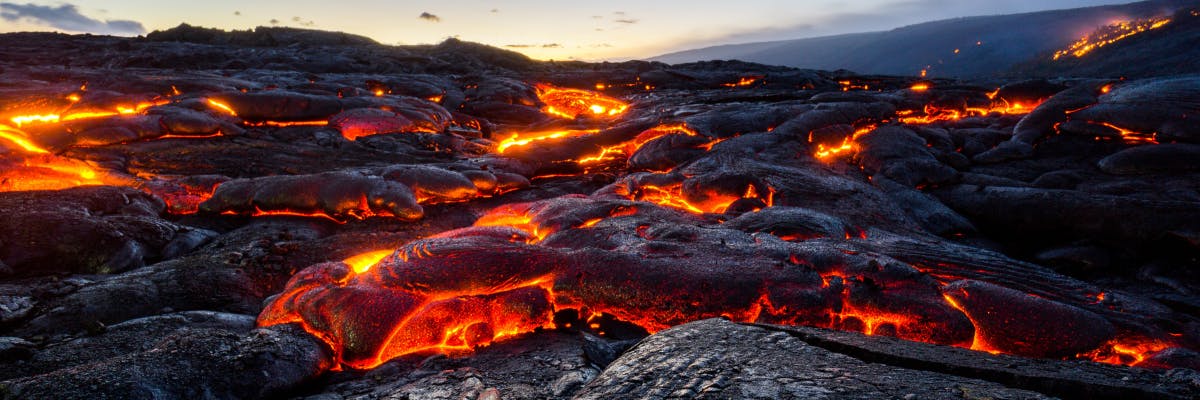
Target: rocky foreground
x=300 y=214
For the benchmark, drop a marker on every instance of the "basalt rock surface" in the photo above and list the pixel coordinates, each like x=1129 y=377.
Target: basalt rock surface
x=283 y=213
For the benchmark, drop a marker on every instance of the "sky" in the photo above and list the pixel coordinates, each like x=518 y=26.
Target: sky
x=542 y=29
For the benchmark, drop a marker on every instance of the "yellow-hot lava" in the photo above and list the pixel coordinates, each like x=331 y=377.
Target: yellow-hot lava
x=49 y=172
x=361 y=263
x=222 y=106
x=1108 y=35
x=20 y=139
x=573 y=103
x=848 y=144
x=56 y=117
x=518 y=139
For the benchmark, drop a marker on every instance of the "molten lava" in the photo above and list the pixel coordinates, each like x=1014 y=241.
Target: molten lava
x=37 y=169
x=222 y=107
x=49 y=172
x=744 y=81
x=56 y=117
x=1126 y=351
x=514 y=216
x=573 y=103
x=21 y=139
x=518 y=139
x=848 y=144
x=630 y=147
x=851 y=85
x=932 y=114
x=361 y=263
x=1108 y=35
x=978 y=343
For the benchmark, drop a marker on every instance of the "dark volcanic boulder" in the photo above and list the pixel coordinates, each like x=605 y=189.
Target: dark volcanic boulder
x=1013 y=322
x=120 y=339
x=1053 y=213
x=898 y=153
x=369 y=121
x=1162 y=158
x=432 y=183
x=279 y=105
x=338 y=194
x=717 y=359
x=93 y=229
x=1167 y=106
x=192 y=364
x=1040 y=122
x=791 y=223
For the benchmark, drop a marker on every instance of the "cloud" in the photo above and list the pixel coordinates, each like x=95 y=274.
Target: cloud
x=530 y=46
x=429 y=17
x=302 y=22
x=68 y=18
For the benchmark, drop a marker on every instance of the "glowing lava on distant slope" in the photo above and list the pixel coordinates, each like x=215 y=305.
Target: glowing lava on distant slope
x=1108 y=35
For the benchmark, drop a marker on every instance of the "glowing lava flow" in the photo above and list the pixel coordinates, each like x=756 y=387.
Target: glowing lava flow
x=630 y=147
x=1109 y=35
x=361 y=263
x=933 y=114
x=459 y=290
x=223 y=107
x=744 y=81
x=40 y=170
x=515 y=216
x=716 y=203
x=524 y=139
x=1133 y=137
x=850 y=85
x=52 y=118
x=978 y=343
x=848 y=144
x=49 y=173
x=21 y=139
x=572 y=103
x=1129 y=351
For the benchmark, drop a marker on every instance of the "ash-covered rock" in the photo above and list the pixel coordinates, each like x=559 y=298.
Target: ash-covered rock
x=196 y=363
x=719 y=359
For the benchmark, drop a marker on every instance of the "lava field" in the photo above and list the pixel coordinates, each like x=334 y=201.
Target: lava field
x=300 y=214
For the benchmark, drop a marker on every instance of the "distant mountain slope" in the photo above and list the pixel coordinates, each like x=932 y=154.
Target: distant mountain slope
x=1173 y=49
x=987 y=45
